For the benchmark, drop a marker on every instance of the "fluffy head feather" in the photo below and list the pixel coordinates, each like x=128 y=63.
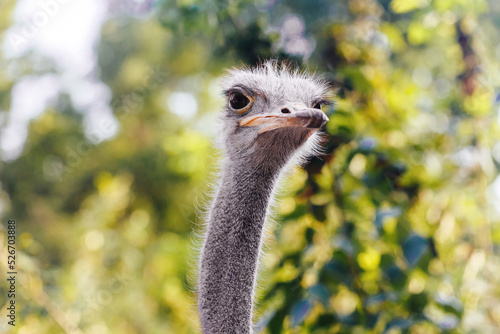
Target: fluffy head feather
x=274 y=87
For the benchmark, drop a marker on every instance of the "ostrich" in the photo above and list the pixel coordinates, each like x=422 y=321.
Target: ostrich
x=270 y=121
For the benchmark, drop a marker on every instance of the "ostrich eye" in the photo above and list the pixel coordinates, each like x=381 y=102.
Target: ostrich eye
x=317 y=106
x=238 y=101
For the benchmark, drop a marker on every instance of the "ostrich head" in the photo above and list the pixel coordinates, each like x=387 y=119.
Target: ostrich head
x=272 y=114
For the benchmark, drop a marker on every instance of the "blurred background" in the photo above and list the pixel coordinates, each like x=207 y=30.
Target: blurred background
x=107 y=112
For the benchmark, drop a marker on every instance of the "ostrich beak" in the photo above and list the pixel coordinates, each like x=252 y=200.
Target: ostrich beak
x=289 y=116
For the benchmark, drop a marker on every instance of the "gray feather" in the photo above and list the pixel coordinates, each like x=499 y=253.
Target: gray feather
x=252 y=165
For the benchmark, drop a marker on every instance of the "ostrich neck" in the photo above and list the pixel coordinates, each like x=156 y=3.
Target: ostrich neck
x=231 y=248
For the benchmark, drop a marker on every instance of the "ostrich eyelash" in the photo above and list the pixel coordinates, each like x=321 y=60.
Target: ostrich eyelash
x=239 y=89
x=246 y=91
x=323 y=102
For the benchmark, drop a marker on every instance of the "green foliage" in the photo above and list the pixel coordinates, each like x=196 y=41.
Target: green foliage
x=394 y=229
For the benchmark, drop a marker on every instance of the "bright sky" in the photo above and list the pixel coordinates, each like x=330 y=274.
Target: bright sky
x=66 y=35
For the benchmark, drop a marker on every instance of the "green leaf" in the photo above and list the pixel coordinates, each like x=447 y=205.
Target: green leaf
x=413 y=249
x=300 y=311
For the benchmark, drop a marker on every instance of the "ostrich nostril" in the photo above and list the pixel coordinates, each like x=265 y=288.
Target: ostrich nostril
x=285 y=111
